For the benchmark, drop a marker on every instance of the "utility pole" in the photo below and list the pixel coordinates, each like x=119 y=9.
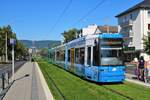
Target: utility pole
x=13 y=64
x=12 y=42
x=6 y=55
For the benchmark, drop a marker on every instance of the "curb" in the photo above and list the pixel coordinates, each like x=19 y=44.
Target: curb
x=47 y=91
x=139 y=83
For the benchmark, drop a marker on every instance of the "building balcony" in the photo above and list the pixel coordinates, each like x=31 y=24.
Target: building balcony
x=130 y=44
x=128 y=35
x=126 y=23
x=131 y=34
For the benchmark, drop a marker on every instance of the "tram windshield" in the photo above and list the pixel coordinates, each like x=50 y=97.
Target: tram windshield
x=111 y=52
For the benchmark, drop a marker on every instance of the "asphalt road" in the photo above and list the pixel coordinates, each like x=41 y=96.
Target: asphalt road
x=7 y=68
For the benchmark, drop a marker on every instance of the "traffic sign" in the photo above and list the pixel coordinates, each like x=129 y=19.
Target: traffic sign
x=12 y=41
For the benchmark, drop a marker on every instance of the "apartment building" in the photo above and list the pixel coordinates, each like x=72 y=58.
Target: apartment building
x=134 y=24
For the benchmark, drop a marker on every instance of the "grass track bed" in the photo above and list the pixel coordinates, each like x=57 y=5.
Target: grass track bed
x=137 y=92
x=74 y=88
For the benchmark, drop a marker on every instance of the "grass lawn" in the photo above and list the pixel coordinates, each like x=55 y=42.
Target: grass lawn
x=74 y=88
x=137 y=92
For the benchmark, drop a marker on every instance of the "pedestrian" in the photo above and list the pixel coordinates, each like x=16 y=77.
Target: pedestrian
x=147 y=71
x=136 y=67
x=141 y=68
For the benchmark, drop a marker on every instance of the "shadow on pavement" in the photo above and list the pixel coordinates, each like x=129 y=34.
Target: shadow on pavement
x=27 y=75
x=3 y=93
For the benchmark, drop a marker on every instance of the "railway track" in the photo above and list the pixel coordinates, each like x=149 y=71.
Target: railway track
x=107 y=88
x=55 y=86
x=119 y=93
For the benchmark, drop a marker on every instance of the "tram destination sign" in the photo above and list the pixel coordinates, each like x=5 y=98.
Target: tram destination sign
x=111 y=42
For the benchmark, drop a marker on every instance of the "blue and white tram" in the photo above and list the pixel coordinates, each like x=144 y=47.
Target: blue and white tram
x=96 y=57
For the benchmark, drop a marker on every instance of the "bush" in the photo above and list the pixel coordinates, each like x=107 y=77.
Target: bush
x=32 y=59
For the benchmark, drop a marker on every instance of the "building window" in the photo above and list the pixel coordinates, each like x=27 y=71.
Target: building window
x=131 y=31
x=148 y=26
x=148 y=36
x=124 y=19
x=131 y=41
x=148 y=13
x=131 y=16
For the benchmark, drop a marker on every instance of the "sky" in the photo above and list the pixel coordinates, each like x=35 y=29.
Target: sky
x=36 y=19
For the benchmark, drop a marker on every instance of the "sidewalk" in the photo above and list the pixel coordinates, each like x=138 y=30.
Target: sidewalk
x=29 y=84
x=131 y=78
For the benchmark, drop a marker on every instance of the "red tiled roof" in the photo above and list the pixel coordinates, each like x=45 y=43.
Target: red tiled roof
x=112 y=29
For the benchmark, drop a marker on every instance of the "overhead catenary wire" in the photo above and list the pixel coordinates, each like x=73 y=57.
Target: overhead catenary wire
x=90 y=11
x=61 y=15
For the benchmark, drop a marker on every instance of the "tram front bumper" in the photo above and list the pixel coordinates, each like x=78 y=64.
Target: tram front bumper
x=119 y=78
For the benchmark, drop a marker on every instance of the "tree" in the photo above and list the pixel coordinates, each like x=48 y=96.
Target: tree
x=2 y=42
x=70 y=35
x=43 y=52
x=5 y=30
x=20 y=49
x=147 y=43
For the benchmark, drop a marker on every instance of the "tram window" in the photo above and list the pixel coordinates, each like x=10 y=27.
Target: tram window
x=57 y=54
x=81 y=58
x=53 y=55
x=50 y=56
x=77 y=52
x=62 y=55
x=68 y=55
x=79 y=55
x=96 y=61
x=89 y=56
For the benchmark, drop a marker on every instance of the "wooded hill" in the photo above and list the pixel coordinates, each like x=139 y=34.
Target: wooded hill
x=40 y=44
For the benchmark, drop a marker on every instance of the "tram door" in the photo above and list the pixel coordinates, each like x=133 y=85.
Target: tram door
x=72 y=59
x=91 y=70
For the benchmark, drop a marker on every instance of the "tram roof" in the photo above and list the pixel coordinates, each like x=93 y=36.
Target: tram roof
x=103 y=35
x=110 y=35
